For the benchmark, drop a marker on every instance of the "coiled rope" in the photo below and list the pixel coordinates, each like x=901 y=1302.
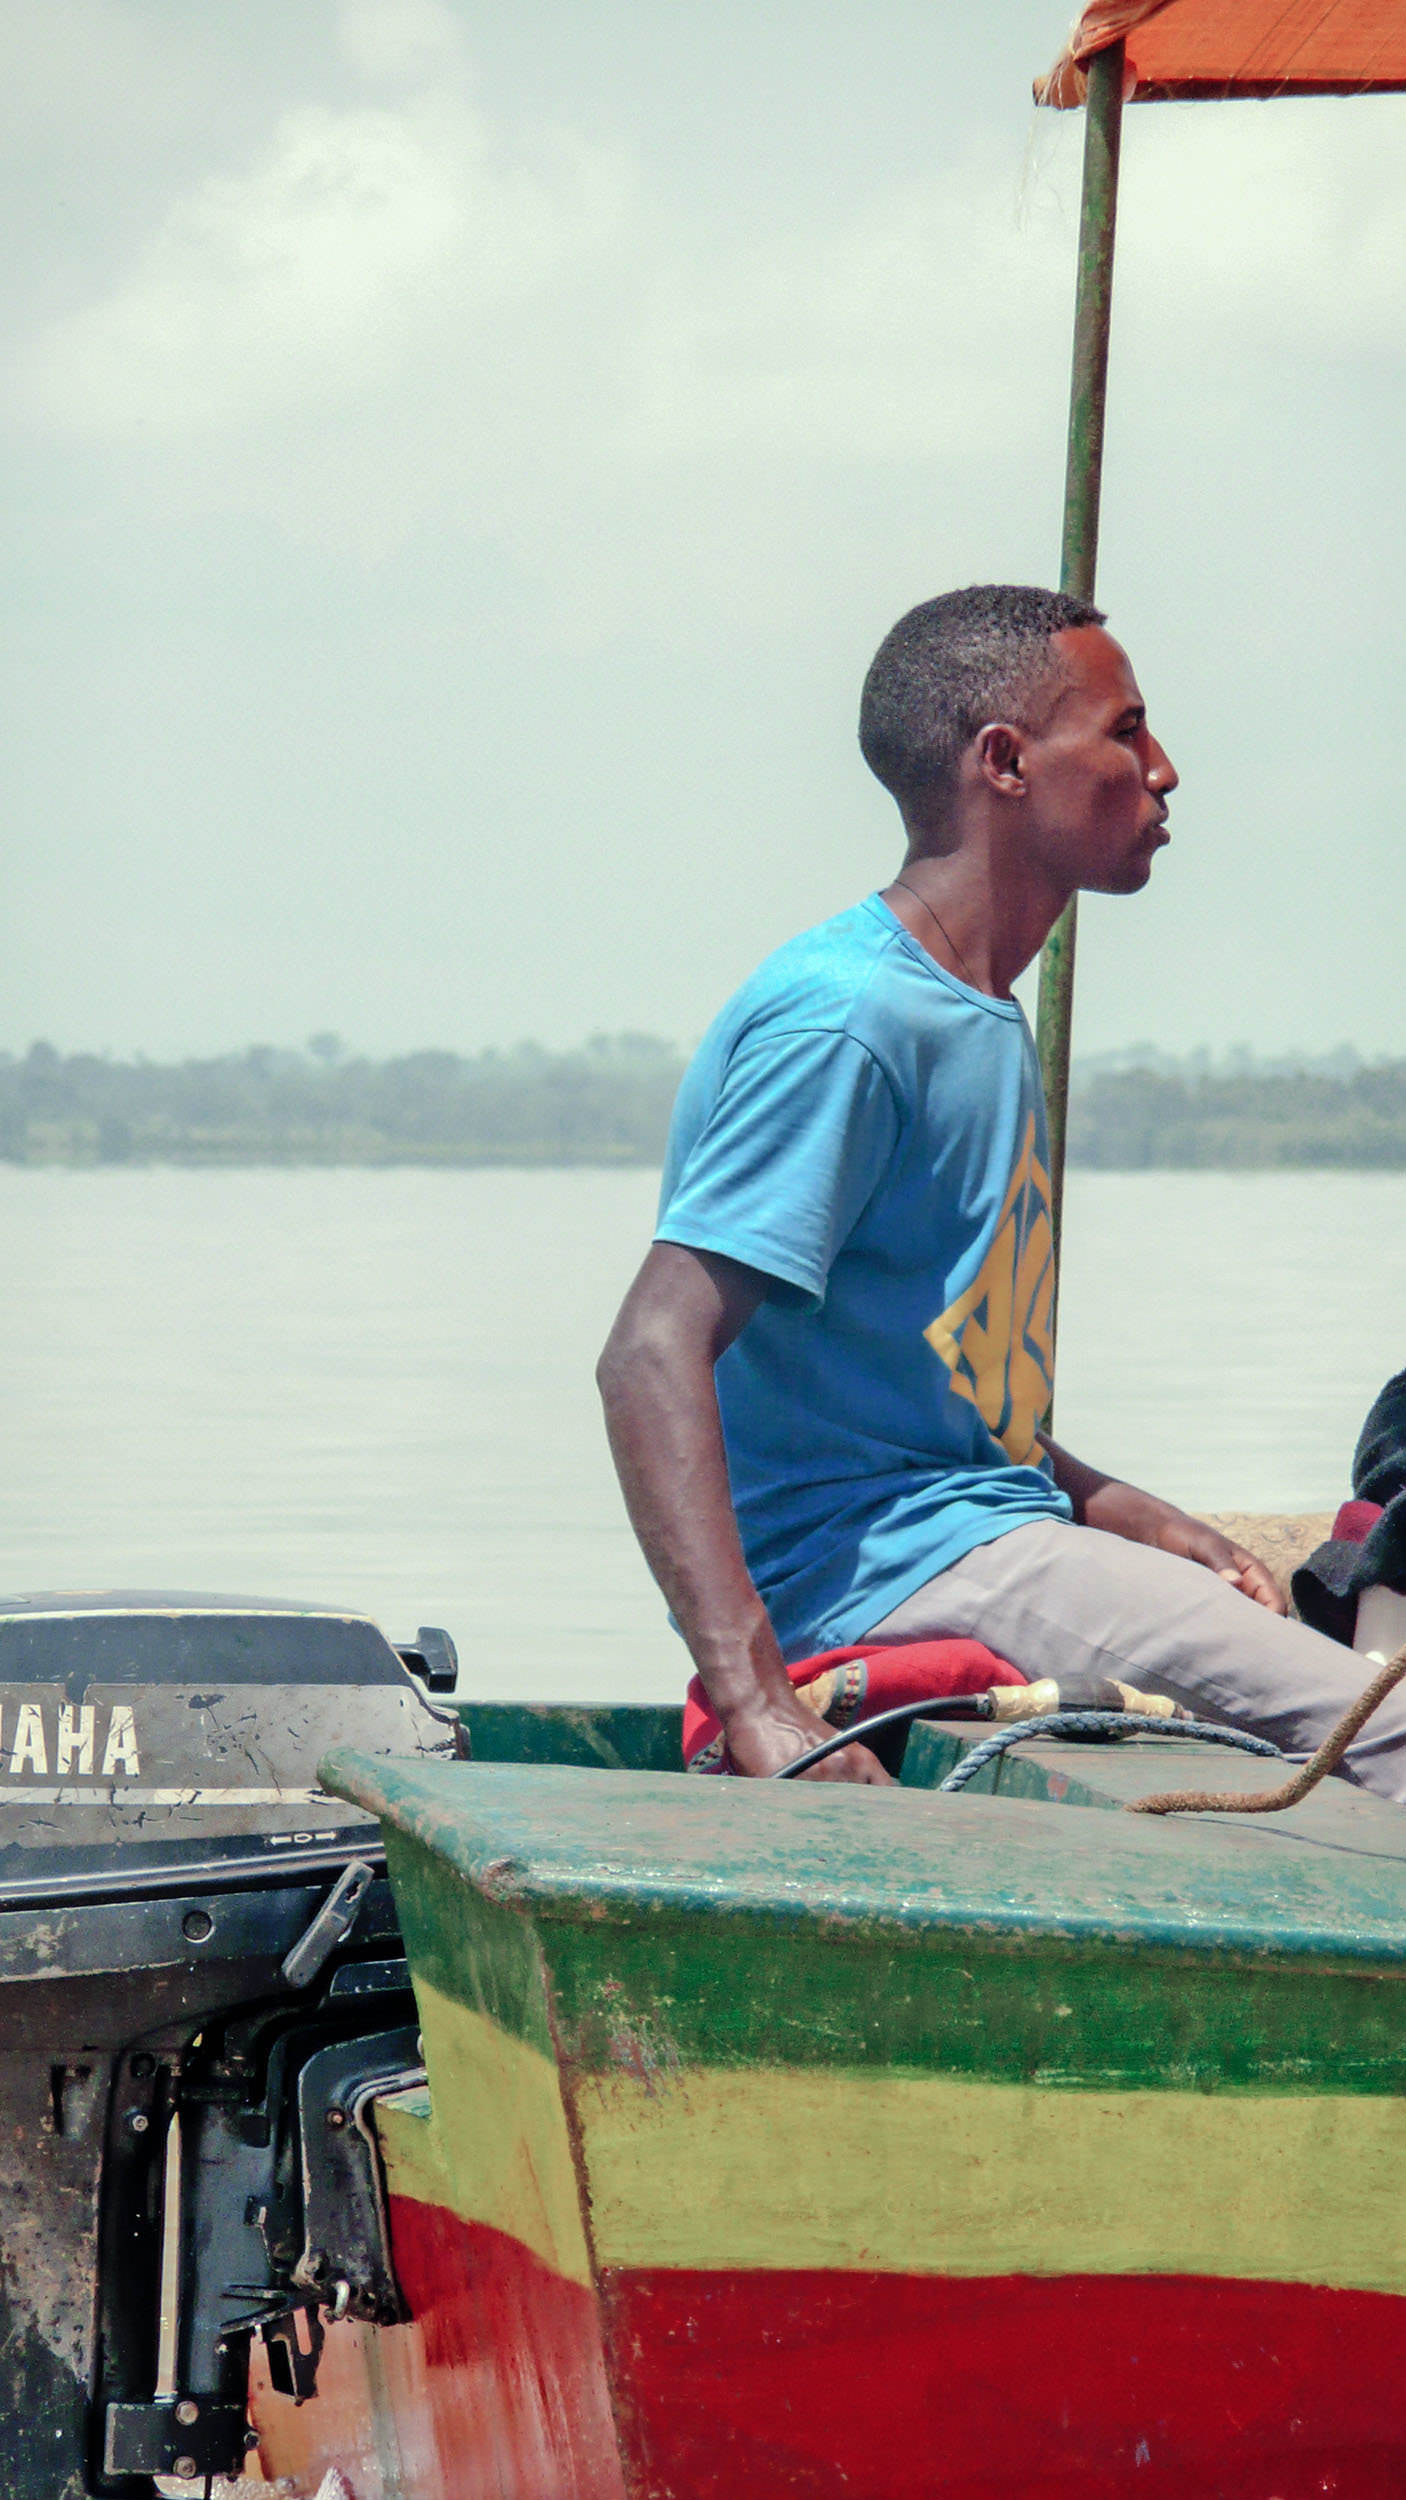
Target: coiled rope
x=1307 y=1776
x=1099 y=1723
x=1106 y=1723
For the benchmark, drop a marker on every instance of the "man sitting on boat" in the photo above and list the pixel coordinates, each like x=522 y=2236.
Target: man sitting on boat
x=825 y=1387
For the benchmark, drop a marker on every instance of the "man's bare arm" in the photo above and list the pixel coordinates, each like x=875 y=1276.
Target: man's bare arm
x=656 y=1380
x=1123 y=1510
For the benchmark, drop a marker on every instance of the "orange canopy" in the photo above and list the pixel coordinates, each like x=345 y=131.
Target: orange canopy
x=1238 y=48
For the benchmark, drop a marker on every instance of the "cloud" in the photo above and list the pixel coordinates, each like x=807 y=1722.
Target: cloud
x=308 y=277
x=404 y=315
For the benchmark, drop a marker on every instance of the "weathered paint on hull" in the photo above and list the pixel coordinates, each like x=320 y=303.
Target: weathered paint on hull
x=937 y=2190
x=373 y=2419
x=517 y=2374
x=744 y=2386
x=908 y=2387
x=496 y=2390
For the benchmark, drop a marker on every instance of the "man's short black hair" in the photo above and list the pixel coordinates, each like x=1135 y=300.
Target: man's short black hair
x=958 y=661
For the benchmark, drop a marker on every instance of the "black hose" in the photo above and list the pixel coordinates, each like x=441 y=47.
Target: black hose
x=952 y=1706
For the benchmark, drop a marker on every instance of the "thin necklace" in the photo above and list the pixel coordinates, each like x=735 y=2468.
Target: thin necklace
x=937 y=924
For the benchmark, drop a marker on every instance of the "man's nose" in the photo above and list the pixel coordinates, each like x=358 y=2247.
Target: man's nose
x=1162 y=773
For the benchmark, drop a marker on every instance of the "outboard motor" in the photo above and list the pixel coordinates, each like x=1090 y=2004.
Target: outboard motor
x=201 y=1988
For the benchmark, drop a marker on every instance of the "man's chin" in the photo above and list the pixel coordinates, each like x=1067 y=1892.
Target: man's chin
x=1140 y=866
x=1129 y=879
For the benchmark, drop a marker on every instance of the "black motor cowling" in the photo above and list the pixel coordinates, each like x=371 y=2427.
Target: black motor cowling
x=198 y=1957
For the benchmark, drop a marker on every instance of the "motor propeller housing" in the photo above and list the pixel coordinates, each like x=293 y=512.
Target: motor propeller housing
x=192 y=1935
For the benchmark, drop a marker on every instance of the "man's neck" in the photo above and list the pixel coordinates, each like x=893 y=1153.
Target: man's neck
x=970 y=919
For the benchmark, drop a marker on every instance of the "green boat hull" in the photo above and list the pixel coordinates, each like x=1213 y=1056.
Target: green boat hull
x=820 y=2141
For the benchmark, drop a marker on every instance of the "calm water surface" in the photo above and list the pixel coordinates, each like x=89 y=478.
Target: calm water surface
x=375 y=1388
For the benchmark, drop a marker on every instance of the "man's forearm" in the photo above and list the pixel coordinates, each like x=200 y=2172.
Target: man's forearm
x=1099 y=1500
x=666 y=1439
x=1120 y=1509
x=683 y=1311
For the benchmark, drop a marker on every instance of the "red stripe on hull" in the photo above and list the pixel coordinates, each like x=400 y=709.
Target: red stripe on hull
x=513 y=2361
x=496 y=2390
x=828 y=2386
x=1089 y=2387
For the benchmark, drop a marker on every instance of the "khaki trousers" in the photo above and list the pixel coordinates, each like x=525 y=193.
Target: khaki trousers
x=1052 y=1595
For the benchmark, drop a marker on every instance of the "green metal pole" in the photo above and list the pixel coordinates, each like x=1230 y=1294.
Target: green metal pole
x=1083 y=475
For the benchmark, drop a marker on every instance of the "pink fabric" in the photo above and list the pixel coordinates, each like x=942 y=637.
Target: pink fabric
x=1355 y=1522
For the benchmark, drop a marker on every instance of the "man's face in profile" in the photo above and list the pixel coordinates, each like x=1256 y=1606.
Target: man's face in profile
x=1097 y=781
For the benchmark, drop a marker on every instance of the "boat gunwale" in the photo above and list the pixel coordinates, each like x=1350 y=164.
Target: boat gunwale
x=479 y=1847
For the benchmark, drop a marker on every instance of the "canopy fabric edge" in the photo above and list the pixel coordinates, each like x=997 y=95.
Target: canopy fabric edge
x=1217 y=91
x=1218 y=50
x=1099 y=24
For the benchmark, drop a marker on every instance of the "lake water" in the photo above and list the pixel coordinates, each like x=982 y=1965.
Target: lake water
x=375 y=1388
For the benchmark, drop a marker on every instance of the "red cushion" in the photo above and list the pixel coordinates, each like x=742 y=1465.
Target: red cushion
x=885 y=1678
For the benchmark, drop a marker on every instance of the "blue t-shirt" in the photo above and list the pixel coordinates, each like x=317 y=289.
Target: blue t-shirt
x=869 y=1132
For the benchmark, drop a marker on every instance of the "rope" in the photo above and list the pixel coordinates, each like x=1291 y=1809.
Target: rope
x=1308 y=1775
x=1101 y=1723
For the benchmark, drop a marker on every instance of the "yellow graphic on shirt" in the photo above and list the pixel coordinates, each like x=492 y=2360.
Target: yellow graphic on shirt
x=995 y=1339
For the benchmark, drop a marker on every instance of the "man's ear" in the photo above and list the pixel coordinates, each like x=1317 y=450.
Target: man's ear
x=1000 y=759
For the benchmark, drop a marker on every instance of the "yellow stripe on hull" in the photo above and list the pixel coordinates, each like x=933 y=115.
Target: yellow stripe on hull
x=919 y=2174
x=493 y=2145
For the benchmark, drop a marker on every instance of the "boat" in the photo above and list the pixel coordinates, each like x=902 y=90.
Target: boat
x=499 y=2113
x=508 y=2113
x=984 y=2144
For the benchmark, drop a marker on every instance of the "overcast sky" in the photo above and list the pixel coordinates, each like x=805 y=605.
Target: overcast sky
x=463 y=459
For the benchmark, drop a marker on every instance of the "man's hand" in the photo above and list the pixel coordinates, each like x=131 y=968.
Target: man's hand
x=1123 y=1510
x=763 y=1742
x=1178 y=1533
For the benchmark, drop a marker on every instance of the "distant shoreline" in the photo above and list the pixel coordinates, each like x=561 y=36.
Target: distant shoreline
x=276 y=1158
x=273 y=1155
x=606 y=1106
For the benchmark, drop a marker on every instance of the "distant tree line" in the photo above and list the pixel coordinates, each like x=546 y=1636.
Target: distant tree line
x=609 y=1102
x=1137 y=1119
